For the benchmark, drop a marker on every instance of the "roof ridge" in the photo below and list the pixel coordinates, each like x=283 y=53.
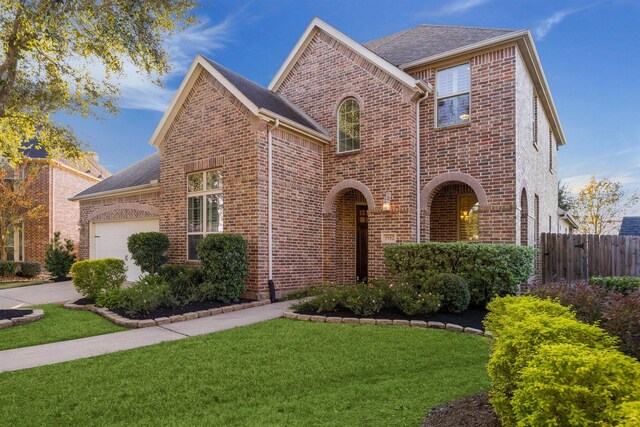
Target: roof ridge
x=391 y=37
x=466 y=26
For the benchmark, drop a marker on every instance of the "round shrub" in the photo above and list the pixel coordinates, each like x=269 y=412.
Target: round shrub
x=59 y=256
x=566 y=384
x=452 y=288
x=411 y=301
x=148 y=250
x=224 y=262
x=93 y=277
x=363 y=299
x=184 y=282
x=628 y=414
x=29 y=269
x=8 y=268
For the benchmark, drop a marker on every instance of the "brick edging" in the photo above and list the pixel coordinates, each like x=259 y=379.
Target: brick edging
x=70 y=305
x=134 y=323
x=27 y=318
x=388 y=322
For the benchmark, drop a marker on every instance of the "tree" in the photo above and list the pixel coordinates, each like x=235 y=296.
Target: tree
x=59 y=256
x=49 y=51
x=18 y=201
x=600 y=204
x=565 y=198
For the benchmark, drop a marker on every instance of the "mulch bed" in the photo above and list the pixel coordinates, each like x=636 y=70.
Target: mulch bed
x=172 y=311
x=472 y=411
x=84 y=301
x=9 y=314
x=471 y=318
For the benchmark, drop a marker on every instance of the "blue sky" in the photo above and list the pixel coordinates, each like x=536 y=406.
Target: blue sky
x=590 y=51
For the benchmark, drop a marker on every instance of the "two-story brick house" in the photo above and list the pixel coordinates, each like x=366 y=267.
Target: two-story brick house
x=431 y=134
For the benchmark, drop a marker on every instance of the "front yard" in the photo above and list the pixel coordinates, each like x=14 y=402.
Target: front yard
x=280 y=372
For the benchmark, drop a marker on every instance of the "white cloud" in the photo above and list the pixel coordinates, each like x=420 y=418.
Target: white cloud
x=458 y=6
x=545 y=26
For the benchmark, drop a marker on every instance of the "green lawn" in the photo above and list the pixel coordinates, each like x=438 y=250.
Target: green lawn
x=9 y=285
x=277 y=373
x=58 y=324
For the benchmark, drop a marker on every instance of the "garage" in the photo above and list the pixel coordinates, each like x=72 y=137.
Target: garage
x=109 y=240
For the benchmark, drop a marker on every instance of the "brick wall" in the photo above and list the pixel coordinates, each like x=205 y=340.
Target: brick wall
x=37 y=232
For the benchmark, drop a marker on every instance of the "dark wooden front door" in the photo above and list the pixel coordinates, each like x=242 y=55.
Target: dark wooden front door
x=362 y=244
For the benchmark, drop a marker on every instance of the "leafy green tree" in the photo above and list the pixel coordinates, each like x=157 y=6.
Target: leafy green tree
x=48 y=49
x=565 y=198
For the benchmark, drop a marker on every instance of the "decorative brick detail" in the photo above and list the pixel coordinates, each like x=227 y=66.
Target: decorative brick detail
x=199 y=165
x=429 y=190
x=329 y=202
x=136 y=210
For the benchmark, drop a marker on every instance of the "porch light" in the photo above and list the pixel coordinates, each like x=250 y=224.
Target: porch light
x=386 y=204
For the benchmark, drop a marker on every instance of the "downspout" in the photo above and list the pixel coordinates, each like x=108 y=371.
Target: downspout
x=272 y=287
x=418 y=177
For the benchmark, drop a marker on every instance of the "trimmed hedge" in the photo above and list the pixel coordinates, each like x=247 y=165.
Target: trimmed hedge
x=29 y=269
x=622 y=284
x=9 y=268
x=489 y=269
x=148 y=250
x=224 y=262
x=94 y=277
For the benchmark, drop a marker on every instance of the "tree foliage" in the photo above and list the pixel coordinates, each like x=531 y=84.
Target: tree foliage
x=565 y=198
x=19 y=201
x=49 y=53
x=600 y=204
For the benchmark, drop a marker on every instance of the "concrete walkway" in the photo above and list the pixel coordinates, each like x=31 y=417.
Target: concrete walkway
x=48 y=354
x=38 y=294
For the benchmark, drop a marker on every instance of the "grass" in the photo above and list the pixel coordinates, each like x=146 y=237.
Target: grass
x=58 y=324
x=282 y=372
x=10 y=285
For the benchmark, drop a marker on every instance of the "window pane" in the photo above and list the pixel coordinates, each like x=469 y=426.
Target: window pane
x=194 y=182
x=214 y=180
x=195 y=214
x=192 y=243
x=214 y=213
x=453 y=111
x=453 y=80
x=9 y=247
x=468 y=225
x=349 y=126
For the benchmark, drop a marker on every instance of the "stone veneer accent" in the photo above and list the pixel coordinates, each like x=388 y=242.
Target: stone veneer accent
x=36 y=314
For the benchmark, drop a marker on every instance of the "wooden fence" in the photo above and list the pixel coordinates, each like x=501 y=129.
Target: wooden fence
x=580 y=256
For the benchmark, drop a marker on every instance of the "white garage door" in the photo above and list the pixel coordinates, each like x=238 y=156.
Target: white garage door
x=110 y=241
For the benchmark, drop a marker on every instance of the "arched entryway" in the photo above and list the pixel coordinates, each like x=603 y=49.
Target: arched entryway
x=346 y=212
x=453 y=204
x=524 y=218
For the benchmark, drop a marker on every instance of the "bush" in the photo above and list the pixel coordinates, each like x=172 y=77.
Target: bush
x=364 y=299
x=452 y=288
x=621 y=284
x=490 y=270
x=93 y=277
x=148 y=250
x=224 y=260
x=585 y=299
x=59 y=256
x=147 y=295
x=184 y=282
x=571 y=385
x=621 y=318
x=326 y=300
x=412 y=301
x=29 y=269
x=9 y=268
x=628 y=414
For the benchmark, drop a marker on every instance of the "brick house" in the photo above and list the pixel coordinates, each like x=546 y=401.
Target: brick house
x=431 y=134
x=56 y=181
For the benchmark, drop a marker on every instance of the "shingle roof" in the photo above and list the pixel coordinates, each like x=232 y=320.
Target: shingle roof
x=630 y=226
x=91 y=166
x=140 y=173
x=428 y=40
x=264 y=98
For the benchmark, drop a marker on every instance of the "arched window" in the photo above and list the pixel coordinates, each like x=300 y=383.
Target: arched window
x=348 y=126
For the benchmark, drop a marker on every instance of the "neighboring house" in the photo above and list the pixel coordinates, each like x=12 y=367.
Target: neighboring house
x=630 y=226
x=431 y=134
x=56 y=181
x=566 y=222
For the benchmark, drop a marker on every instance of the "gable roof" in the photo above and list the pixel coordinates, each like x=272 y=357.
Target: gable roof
x=260 y=101
x=630 y=226
x=90 y=167
x=424 y=41
x=141 y=176
x=318 y=24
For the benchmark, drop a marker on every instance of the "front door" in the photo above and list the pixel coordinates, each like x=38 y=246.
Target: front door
x=362 y=243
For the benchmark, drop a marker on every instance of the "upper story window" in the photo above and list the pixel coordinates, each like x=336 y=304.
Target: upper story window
x=534 y=124
x=349 y=126
x=453 y=93
x=204 y=208
x=550 y=151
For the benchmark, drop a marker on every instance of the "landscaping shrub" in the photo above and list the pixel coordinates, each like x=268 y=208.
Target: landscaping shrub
x=452 y=288
x=184 y=281
x=363 y=299
x=628 y=414
x=8 y=268
x=585 y=299
x=148 y=250
x=29 y=269
x=59 y=256
x=147 y=295
x=328 y=299
x=224 y=262
x=93 y=277
x=573 y=385
x=489 y=269
x=412 y=301
x=621 y=284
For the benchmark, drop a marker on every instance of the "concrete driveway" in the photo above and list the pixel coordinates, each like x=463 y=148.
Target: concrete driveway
x=38 y=294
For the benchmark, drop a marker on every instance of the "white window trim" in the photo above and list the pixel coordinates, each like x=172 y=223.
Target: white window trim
x=345 y=99
x=437 y=98
x=202 y=193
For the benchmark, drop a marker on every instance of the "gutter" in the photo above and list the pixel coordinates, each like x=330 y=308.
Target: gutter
x=118 y=191
x=289 y=124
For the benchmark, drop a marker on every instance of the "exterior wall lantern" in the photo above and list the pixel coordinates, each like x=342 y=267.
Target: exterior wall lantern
x=386 y=204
